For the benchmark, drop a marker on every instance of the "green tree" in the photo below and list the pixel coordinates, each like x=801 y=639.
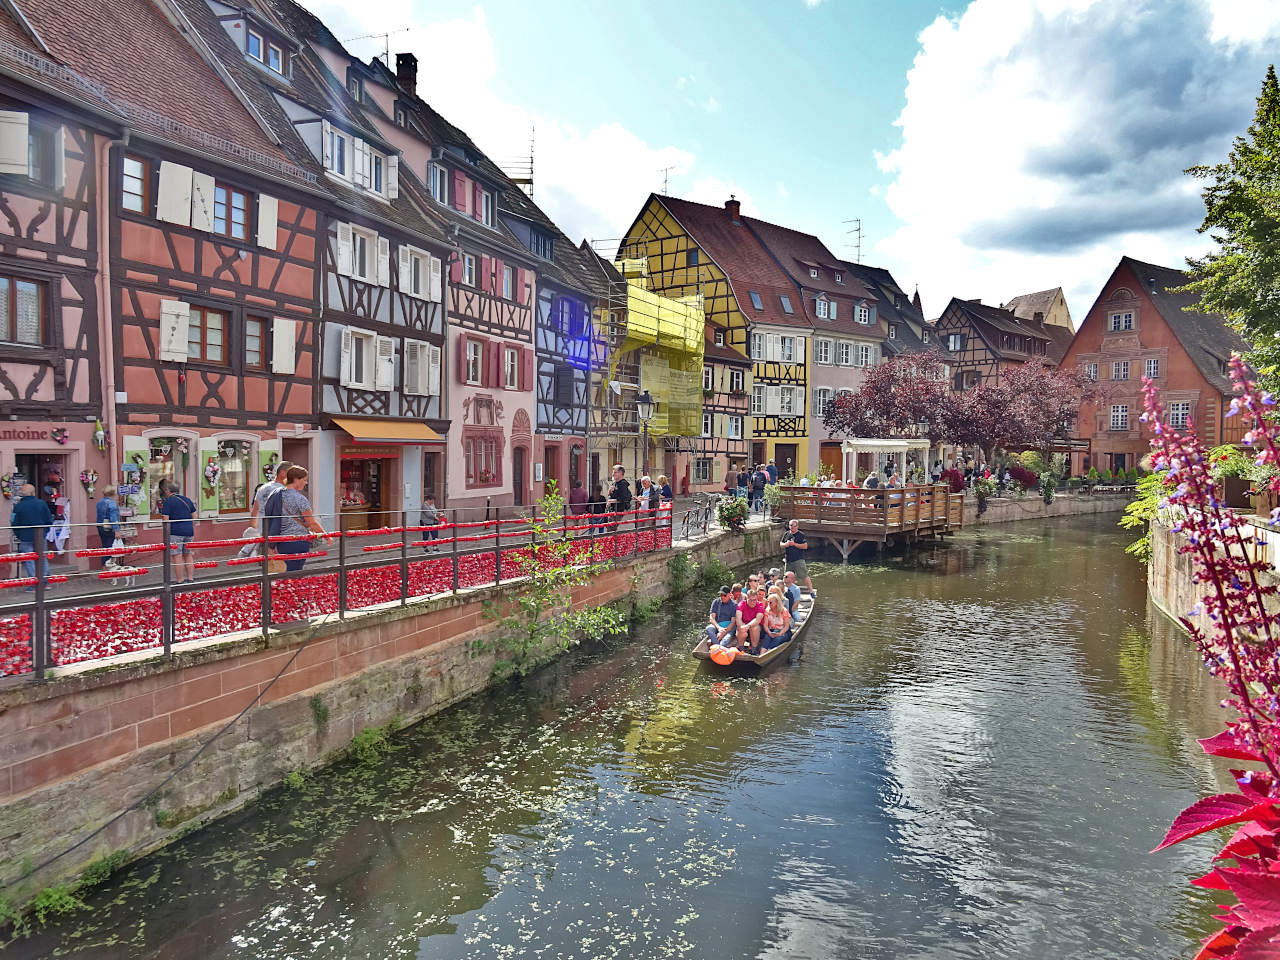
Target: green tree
x=1241 y=280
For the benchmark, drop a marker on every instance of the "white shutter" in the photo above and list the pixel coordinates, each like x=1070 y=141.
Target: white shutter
x=384 y=262
x=284 y=345
x=13 y=142
x=831 y=310
x=405 y=267
x=412 y=367
x=60 y=158
x=436 y=291
x=773 y=346
x=359 y=156
x=799 y=349
x=344 y=249
x=175 y=318
x=433 y=370
x=268 y=215
x=384 y=376
x=719 y=426
x=344 y=369
x=393 y=177
x=173 y=196
x=772 y=400
x=325 y=130
x=201 y=201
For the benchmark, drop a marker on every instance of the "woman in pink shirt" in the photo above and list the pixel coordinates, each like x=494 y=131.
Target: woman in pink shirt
x=750 y=615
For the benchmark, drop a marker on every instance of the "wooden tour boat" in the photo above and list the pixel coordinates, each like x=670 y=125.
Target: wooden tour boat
x=756 y=663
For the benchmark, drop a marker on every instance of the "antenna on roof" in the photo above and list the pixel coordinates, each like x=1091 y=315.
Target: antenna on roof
x=520 y=170
x=666 y=179
x=386 y=42
x=857 y=238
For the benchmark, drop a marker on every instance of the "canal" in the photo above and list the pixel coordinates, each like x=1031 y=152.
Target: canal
x=977 y=751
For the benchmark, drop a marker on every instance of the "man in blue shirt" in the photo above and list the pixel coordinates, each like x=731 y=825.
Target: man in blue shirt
x=792 y=591
x=720 y=621
x=31 y=518
x=773 y=471
x=179 y=511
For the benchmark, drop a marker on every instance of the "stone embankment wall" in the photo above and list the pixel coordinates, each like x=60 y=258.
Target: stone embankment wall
x=1032 y=507
x=77 y=750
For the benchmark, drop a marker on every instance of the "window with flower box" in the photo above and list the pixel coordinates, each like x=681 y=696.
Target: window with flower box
x=482 y=459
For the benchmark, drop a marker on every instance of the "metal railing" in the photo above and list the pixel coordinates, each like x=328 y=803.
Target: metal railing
x=102 y=601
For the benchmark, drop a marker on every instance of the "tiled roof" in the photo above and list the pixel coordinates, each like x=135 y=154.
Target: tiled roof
x=1205 y=336
x=744 y=260
x=1002 y=321
x=797 y=252
x=1029 y=304
x=725 y=354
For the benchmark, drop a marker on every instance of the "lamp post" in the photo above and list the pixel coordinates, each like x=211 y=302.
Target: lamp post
x=644 y=408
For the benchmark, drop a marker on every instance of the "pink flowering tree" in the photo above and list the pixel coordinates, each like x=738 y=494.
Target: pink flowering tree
x=906 y=396
x=1241 y=646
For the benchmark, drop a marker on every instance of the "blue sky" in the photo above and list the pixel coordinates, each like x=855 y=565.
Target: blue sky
x=990 y=147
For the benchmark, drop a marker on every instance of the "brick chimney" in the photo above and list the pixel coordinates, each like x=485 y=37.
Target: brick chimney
x=732 y=207
x=407 y=72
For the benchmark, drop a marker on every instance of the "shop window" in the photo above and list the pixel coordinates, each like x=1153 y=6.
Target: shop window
x=235 y=475
x=168 y=460
x=21 y=311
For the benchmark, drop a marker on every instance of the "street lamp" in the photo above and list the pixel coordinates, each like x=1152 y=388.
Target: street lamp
x=644 y=408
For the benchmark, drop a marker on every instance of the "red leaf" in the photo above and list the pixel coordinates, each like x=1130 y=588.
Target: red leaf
x=1249 y=840
x=1259 y=944
x=1220 y=944
x=1258 y=893
x=1210 y=813
x=1210 y=881
x=1226 y=744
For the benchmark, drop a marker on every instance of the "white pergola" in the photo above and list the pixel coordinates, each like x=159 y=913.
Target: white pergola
x=897 y=448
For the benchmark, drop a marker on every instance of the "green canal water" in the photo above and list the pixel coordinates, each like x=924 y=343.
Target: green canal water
x=972 y=760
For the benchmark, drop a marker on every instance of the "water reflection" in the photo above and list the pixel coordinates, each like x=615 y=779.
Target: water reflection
x=981 y=745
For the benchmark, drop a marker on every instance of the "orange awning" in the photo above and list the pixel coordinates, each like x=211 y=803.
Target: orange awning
x=388 y=431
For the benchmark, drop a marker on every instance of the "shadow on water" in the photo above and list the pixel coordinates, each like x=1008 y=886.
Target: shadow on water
x=981 y=744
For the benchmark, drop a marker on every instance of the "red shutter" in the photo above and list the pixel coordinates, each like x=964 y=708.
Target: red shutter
x=499 y=356
x=462 y=360
x=498 y=273
x=520 y=284
x=459 y=190
x=477 y=201
x=526 y=369
x=486 y=274
x=455 y=270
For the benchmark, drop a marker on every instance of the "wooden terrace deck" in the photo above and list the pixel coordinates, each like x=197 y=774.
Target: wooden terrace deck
x=849 y=517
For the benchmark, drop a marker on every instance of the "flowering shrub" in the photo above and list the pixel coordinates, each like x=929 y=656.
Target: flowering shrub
x=1242 y=647
x=732 y=514
x=955 y=478
x=1022 y=476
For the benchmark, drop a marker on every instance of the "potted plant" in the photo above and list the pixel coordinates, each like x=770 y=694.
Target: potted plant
x=732 y=514
x=1230 y=469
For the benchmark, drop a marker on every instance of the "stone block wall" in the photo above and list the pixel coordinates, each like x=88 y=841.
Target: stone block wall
x=1032 y=507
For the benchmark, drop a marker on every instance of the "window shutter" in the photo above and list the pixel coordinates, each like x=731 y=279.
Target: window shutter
x=486 y=275
x=60 y=158
x=461 y=372
x=359 y=160
x=284 y=345
x=325 y=129
x=832 y=312
x=412 y=367
x=173 y=195
x=344 y=371
x=719 y=426
x=799 y=349
x=436 y=291
x=268 y=215
x=772 y=400
x=201 y=201
x=521 y=283
x=773 y=346
x=455 y=270
x=477 y=201
x=174 y=319
x=393 y=177
x=433 y=370
x=495 y=364
x=344 y=249
x=498 y=268
x=384 y=263
x=404 y=269
x=14 y=134
x=384 y=373
x=459 y=190
x=526 y=369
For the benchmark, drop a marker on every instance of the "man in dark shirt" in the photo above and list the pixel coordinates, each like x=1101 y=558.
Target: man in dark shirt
x=731 y=481
x=620 y=492
x=795 y=545
x=179 y=511
x=772 y=471
x=31 y=519
x=720 y=620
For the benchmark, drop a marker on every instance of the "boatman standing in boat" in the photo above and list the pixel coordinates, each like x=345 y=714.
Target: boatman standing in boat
x=795 y=545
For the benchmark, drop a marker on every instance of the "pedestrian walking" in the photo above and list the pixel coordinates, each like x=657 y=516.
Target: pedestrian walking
x=289 y=515
x=266 y=492
x=772 y=470
x=179 y=511
x=430 y=517
x=31 y=518
x=759 y=480
x=108 y=520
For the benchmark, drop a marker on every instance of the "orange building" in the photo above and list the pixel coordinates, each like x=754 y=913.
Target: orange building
x=1139 y=327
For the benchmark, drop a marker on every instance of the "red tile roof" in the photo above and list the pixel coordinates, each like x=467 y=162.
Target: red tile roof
x=797 y=252
x=738 y=252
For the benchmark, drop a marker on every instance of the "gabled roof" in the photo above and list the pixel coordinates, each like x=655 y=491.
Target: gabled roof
x=739 y=253
x=797 y=252
x=1029 y=304
x=1206 y=337
x=724 y=354
x=892 y=303
x=997 y=322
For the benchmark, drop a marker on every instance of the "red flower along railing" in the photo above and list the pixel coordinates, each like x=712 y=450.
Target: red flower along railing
x=357 y=574
x=1241 y=645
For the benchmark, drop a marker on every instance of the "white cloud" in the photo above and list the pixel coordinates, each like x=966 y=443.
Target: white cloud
x=1043 y=139
x=813 y=3
x=591 y=181
x=712 y=105
x=782 y=190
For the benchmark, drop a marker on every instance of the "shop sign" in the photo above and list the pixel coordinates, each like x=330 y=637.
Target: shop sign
x=21 y=434
x=129 y=489
x=368 y=452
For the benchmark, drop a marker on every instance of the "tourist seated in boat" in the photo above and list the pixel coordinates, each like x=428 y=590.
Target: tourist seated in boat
x=724 y=612
x=775 y=627
x=792 y=591
x=750 y=615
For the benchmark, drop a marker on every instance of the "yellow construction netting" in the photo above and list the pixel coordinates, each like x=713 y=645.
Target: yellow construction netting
x=672 y=333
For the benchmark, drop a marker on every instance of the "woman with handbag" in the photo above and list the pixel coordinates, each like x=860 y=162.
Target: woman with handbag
x=108 y=519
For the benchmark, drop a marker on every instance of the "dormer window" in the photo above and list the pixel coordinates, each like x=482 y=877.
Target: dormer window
x=271 y=55
x=275 y=58
x=254 y=46
x=863 y=313
x=719 y=338
x=353 y=88
x=786 y=303
x=813 y=273
x=839 y=278
x=336 y=155
x=486 y=208
x=821 y=306
x=438 y=180
x=540 y=245
x=755 y=300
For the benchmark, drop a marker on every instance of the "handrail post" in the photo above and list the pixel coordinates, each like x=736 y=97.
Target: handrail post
x=166 y=592
x=41 y=621
x=266 y=579
x=342 y=572
x=404 y=557
x=497 y=548
x=455 y=553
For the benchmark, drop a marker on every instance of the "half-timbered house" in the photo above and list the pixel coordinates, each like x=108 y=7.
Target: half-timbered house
x=1139 y=326
x=983 y=341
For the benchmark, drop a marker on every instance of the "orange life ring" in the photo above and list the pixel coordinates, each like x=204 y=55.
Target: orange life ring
x=723 y=655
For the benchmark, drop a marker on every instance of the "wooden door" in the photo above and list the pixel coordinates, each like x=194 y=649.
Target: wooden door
x=517 y=475
x=784 y=455
x=832 y=460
